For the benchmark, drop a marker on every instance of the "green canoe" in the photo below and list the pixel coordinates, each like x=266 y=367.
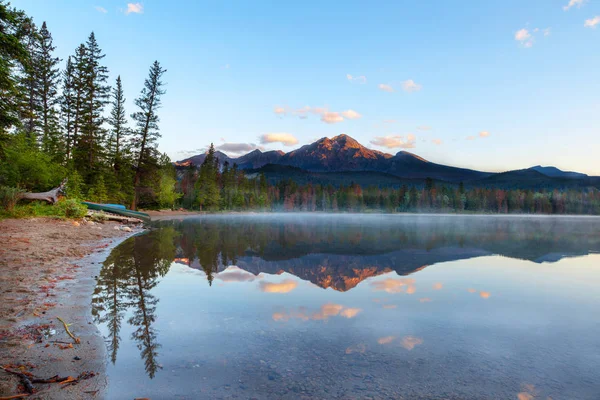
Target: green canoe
x=116 y=210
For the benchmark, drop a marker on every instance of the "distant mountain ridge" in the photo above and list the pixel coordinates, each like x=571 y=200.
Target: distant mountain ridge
x=343 y=154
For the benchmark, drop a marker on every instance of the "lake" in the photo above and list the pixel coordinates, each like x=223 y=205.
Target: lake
x=292 y=306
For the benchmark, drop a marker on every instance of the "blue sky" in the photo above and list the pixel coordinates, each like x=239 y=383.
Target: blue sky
x=436 y=74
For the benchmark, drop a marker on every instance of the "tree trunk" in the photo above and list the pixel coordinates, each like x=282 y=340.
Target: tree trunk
x=50 y=196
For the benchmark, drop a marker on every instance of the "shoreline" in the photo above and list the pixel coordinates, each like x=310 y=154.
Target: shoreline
x=170 y=214
x=49 y=270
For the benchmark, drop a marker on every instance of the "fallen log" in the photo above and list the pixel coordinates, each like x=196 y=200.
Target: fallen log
x=114 y=217
x=50 y=196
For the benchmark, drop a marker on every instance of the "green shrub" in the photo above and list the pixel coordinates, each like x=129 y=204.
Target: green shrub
x=71 y=208
x=9 y=197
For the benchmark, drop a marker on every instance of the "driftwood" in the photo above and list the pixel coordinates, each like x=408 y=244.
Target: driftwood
x=25 y=381
x=76 y=339
x=115 y=217
x=50 y=196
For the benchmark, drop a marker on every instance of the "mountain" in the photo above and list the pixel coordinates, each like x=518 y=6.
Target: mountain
x=276 y=173
x=408 y=165
x=257 y=159
x=341 y=153
x=557 y=173
x=532 y=179
x=342 y=160
x=199 y=159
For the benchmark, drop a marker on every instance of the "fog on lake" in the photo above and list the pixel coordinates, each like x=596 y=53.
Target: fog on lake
x=354 y=306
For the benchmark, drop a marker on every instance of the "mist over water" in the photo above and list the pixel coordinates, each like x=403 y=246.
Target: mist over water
x=354 y=306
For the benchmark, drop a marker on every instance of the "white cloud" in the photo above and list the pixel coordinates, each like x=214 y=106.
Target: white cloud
x=385 y=88
x=484 y=134
x=574 y=3
x=237 y=148
x=411 y=86
x=424 y=128
x=470 y=137
x=101 y=9
x=524 y=37
x=136 y=8
x=330 y=117
x=592 y=22
x=327 y=116
x=358 y=79
x=351 y=114
x=395 y=141
x=285 y=138
x=280 y=110
x=546 y=32
x=437 y=141
x=226 y=66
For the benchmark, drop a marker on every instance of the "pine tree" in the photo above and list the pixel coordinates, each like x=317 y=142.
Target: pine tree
x=13 y=55
x=77 y=82
x=146 y=133
x=67 y=106
x=95 y=96
x=29 y=85
x=208 y=194
x=118 y=123
x=48 y=76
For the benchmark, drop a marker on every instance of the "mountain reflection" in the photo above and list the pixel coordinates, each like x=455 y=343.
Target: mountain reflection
x=329 y=252
x=338 y=253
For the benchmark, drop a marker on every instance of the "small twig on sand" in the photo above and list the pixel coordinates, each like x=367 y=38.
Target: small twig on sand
x=54 y=379
x=16 y=396
x=24 y=379
x=76 y=339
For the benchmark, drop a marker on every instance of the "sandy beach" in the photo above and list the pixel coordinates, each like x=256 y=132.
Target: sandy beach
x=47 y=270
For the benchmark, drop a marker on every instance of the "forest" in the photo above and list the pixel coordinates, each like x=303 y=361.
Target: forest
x=210 y=188
x=64 y=119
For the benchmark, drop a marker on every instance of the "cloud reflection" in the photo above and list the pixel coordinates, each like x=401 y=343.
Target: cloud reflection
x=386 y=340
x=485 y=295
x=409 y=342
x=325 y=312
x=285 y=286
x=438 y=286
x=359 y=348
x=394 y=285
x=236 y=274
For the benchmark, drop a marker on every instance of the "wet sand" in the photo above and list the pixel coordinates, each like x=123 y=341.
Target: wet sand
x=47 y=270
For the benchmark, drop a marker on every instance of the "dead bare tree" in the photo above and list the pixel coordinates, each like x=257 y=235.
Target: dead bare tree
x=50 y=196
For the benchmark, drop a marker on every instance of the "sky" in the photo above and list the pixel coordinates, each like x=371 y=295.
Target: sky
x=491 y=85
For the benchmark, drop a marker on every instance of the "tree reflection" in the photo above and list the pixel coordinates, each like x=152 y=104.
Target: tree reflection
x=124 y=284
x=336 y=252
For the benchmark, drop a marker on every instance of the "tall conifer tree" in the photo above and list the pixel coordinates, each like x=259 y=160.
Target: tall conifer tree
x=49 y=76
x=95 y=96
x=146 y=132
x=118 y=123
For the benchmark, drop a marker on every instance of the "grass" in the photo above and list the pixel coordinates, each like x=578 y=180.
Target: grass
x=65 y=208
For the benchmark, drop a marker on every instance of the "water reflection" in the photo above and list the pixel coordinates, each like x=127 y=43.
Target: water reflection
x=264 y=311
x=124 y=286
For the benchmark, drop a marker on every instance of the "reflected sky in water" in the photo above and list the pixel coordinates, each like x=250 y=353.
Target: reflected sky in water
x=273 y=306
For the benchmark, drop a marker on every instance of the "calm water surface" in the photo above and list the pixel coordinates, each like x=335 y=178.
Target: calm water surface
x=343 y=306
